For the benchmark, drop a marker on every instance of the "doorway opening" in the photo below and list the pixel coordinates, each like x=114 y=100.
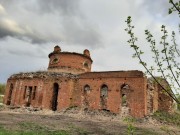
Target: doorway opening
x=55 y=96
x=86 y=93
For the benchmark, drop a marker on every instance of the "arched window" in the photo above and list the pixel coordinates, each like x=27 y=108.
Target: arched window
x=104 y=90
x=125 y=86
x=86 y=92
x=125 y=90
x=54 y=61
x=86 y=88
x=86 y=65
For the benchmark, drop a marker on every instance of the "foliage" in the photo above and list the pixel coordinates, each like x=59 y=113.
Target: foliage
x=175 y=7
x=2 y=88
x=130 y=128
x=1 y=99
x=166 y=129
x=165 y=59
x=80 y=131
x=178 y=105
x=168 y=118
x=7 y=132
x=32 y=129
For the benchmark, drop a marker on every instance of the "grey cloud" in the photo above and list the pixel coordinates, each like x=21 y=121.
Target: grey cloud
x=72 y=26
x=64 y=7
x=80 y=32
x=13 y=29
x=9 y=28
x=156 y=7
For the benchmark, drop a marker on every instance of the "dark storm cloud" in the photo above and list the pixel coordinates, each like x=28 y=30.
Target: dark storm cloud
x=72 y=27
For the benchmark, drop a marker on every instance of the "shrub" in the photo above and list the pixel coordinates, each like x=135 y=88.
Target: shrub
x=168 y=118
x=2 y=88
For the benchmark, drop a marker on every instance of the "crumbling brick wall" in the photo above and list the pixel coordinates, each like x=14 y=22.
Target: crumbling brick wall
x=152 y=96
x=70 y=82
x=136 y=97
x=157 y=98
x=20 y=90
x=42 y=82
x=68 y=62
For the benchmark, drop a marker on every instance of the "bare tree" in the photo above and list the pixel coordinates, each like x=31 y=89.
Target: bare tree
x=165 y=59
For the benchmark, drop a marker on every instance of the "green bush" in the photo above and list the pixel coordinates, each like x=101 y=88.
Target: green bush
x=168 y=118
x=2 y=88
x=1 y=99
x=178 y=105
x=130 y=125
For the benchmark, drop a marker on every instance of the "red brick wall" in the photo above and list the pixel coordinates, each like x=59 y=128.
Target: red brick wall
x=71 y=91
x=157 y=98
x=19 y=90
x=70 y=62
x=165 y=102
x=136 y=98
x=65 y=98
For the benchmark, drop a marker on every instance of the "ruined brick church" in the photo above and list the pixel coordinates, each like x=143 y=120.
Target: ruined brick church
x=70 y=82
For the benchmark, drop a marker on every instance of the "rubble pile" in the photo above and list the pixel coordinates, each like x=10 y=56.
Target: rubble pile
x=43 y=75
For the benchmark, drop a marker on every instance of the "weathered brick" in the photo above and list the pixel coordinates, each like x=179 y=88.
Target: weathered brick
x=69 y=75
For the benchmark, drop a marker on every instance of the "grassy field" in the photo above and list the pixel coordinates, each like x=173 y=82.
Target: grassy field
x=63 y=124
x=31 y=129
x=26 y=128
x=168 y=118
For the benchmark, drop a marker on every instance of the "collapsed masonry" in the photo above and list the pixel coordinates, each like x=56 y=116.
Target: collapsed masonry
x=69 y=82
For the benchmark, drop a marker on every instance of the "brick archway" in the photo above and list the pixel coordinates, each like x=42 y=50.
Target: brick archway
x=124 y=93
x=103 y=96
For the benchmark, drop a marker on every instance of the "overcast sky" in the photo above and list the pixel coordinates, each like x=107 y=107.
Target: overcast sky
x=29 y=29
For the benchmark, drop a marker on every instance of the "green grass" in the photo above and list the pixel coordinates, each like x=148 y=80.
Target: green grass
x=29 y=128
x=32 y=129
x=168 y=118
x=5 y=132
x=133 y=130
x=142 y=131
x=78 y=130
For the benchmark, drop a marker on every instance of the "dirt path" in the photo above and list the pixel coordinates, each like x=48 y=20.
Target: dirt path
x=78 y=124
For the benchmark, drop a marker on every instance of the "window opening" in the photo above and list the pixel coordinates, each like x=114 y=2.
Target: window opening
x=104 y=91
x=29 y=94
x=86 y=89
x=10 y=94
x=34 y=93
x=24 y=94
x=86 y=65
x=125 y=86
x=103 y=97
x=124 y=100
